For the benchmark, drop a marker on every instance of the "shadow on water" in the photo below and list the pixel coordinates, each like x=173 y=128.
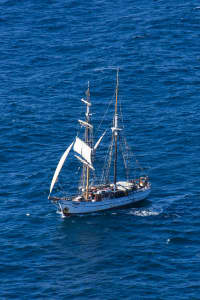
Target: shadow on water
x=142 y=203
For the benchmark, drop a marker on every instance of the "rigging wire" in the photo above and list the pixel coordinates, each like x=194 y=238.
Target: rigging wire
x=129 y=152
x=108 y=106
x=124 y=157
x=107 y=162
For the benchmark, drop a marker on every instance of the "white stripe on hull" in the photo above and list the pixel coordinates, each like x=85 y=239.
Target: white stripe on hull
x=74 y=207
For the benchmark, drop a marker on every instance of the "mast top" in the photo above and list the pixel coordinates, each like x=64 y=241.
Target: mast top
x=88 y=92
x=115 y=128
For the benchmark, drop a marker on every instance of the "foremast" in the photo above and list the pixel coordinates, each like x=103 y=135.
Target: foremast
x=88 y=141
x=115 y=128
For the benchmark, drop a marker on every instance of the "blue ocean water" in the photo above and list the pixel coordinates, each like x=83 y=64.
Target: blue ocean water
x=49 y=50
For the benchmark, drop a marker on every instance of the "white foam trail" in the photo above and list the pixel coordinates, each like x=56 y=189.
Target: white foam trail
x=157 y=208
x=145 y=213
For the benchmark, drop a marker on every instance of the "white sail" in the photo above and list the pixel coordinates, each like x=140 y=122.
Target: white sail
x=59 y=167
x=83 y=149
x=99 y=141
x=84 y=162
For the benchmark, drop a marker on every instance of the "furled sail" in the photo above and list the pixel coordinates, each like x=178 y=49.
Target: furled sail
x=59 y=167
x=99 y=141
x=86 y=124
x=86 y=102
x=83 y=149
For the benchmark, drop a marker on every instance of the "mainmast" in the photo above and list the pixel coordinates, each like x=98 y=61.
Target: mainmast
x=87 y=136
x=115 y=129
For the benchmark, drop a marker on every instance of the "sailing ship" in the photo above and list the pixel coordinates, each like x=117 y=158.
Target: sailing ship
x=109 y=192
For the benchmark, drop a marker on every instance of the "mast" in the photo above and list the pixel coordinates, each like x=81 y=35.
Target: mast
x=87 y=137
x=115 y=129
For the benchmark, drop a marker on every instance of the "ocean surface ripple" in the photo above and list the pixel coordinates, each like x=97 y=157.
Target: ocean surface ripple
x=49 y=51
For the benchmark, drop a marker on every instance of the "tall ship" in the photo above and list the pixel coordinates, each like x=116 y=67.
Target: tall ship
x=110 y=190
